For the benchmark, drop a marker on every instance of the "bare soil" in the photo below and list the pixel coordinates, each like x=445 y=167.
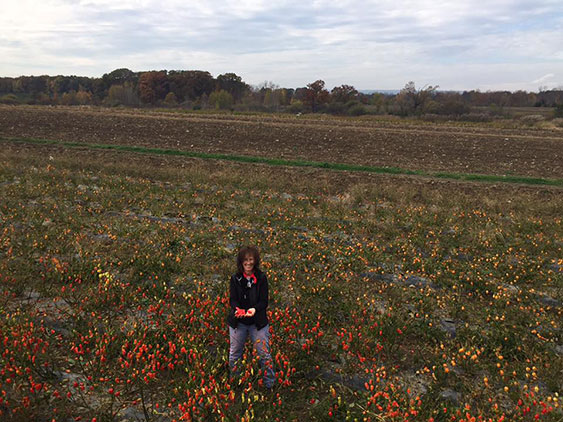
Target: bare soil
x=430 y=147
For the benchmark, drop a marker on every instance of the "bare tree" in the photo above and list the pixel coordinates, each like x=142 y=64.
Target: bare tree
x=412 y=101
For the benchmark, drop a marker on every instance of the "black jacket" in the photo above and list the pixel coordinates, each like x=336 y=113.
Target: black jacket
x=254 y=297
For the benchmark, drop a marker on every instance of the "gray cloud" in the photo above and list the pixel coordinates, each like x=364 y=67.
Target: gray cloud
x=371 y=44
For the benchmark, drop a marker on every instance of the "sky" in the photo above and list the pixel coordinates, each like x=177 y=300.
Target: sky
x=370 y=44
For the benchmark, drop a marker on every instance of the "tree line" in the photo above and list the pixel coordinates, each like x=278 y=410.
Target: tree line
x=196 y=89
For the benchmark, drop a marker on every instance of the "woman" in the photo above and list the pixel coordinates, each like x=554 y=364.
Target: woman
x=249 y=300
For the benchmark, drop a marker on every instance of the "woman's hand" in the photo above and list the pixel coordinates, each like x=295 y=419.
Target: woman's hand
x=250 y=312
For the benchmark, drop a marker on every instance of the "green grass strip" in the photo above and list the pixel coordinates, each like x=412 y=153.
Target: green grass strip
x=297 y=163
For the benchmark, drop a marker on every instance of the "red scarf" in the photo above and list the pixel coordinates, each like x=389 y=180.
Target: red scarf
x=251 y=277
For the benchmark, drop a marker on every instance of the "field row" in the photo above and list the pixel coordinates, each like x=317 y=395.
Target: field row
x=247 y=159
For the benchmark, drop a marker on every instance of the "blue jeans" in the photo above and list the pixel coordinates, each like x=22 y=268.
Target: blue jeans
x=260 y=342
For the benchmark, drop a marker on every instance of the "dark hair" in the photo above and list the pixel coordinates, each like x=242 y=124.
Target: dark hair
x=243 y=253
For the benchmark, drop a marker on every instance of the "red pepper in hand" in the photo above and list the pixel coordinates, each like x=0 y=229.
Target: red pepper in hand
x=239 y=313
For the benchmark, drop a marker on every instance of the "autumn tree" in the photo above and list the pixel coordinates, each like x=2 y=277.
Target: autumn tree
x=551 y=98
x=6 y=85
x=342 y=99
x=275 y=98
x=60 y=85
x=120 y=77
x=190 y=84
x=233 y=84
x=153 y=86
x=32 y=85
x=316 y=95
x=522 y=99
x=343 y=93
x=122 y=95
x=83 y=97
x=69 y=98
x=299 y=94
x=98 y=89
x=38 y=85
x=378 y=100
x=171 y=99
x=271 y=96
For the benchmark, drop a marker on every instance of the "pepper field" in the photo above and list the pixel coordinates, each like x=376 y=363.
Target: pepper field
x=392 y=297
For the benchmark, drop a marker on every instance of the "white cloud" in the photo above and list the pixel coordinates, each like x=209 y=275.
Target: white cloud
x=544 y=78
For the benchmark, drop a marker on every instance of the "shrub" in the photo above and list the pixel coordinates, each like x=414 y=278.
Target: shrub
x=9 y=99
x=44 y=99
x=434 y=107
x=221 y=100
x=476 y=117
x=495 y=110
x=455 y=107
x=351 y=104
x=187 y=104
x=337 y=108
x=295 y=107
x=170 y=99
x=433 y=117
x=357 y=110
x=532 y=119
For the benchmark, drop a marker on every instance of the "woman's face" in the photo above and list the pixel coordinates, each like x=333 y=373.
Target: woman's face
x=248 y=264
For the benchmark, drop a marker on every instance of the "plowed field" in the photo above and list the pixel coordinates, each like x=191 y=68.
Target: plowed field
x=473 y=149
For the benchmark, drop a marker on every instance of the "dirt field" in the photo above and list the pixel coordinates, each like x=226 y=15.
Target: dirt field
x=426 y=147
